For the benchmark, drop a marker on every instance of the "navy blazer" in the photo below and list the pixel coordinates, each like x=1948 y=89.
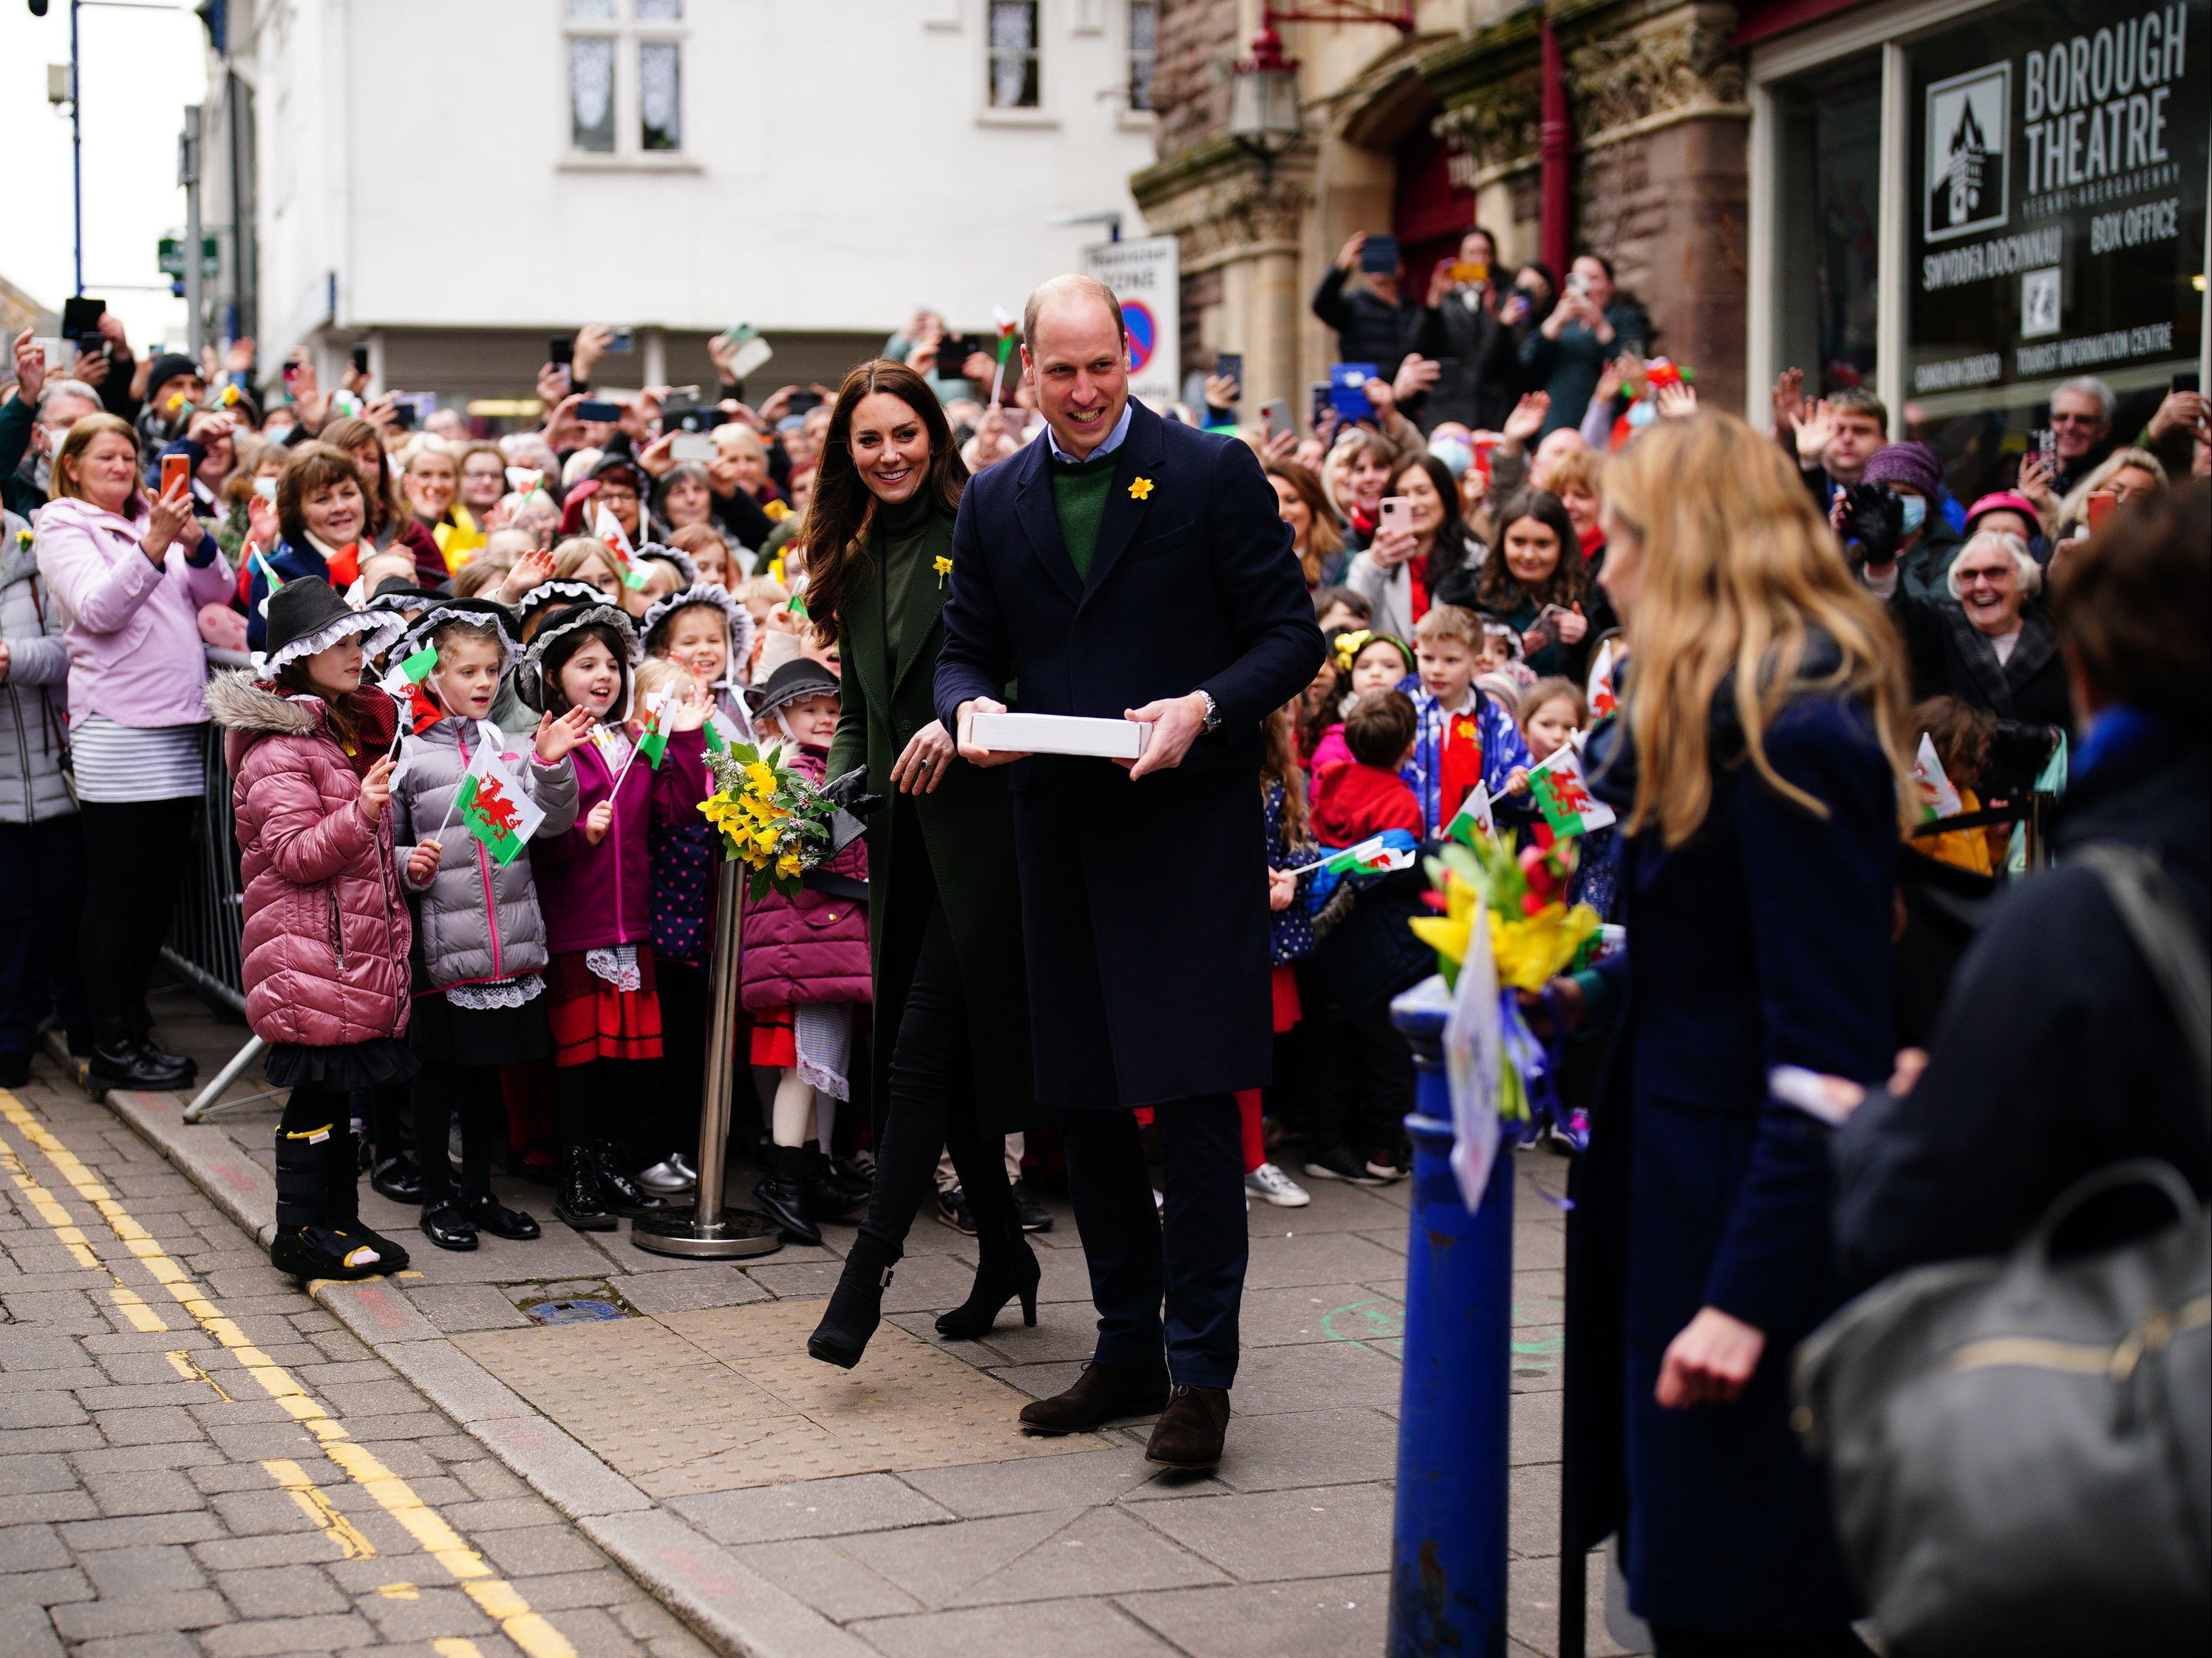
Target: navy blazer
x=1144 y=904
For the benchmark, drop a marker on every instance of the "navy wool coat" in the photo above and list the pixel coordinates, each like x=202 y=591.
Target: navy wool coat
x=1144 y=910
x=1762 y=940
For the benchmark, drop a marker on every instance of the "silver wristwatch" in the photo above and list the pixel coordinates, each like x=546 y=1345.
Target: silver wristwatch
x=1212 y=720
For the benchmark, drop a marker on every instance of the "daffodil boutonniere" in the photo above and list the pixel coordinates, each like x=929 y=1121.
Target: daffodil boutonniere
x=1140 y=489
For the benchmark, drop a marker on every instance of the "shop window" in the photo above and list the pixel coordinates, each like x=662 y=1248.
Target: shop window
x=1144 y=51
x=1014 y=80
x=1829 y=183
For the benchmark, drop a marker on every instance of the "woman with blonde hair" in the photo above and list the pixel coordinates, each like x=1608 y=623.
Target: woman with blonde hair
x=1757 y=766
x=2122 y=474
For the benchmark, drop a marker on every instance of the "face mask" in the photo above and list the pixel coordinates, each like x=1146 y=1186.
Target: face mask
x=42 y=473
x=1916 y=513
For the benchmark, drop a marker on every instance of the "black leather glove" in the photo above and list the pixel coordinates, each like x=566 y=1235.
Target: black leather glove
x=850 y=793
x=1874 y=522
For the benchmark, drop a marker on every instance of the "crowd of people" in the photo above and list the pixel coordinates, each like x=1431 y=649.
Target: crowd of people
x=1856 y=700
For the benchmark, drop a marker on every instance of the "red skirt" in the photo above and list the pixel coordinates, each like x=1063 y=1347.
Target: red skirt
x=774 y=1042
x=592 y=1020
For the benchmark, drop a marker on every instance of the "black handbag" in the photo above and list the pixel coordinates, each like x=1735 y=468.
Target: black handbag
x=2020 y=1448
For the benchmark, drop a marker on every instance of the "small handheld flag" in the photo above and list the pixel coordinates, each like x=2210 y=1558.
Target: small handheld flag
x=1938 y=798
x=1564 y=798
x=495 y=809
x=612 y=536
x=1378 y=854
x=652 y=743
x=1474 y=817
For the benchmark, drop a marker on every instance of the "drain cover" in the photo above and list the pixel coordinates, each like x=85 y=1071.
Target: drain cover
x=578 y=1311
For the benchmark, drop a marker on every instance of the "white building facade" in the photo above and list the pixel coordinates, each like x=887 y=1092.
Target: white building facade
x=453 y=182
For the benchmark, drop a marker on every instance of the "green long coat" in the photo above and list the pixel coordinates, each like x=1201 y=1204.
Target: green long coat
x=967 y=824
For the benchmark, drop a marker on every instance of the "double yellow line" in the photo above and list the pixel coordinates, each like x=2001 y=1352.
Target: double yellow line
x=498 y=1598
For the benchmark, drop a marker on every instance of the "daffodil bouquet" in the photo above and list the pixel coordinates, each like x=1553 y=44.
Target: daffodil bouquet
x=1533 y=935
x=773 y=817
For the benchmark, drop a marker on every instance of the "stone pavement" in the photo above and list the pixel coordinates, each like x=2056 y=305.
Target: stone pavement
x=775 y=1505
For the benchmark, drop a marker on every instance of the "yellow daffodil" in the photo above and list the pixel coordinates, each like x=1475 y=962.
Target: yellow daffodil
x=788 y=863
x=761 y=779
x=1448 y=933
x=1140 y=489
x=943 y=566
x=1535 y=949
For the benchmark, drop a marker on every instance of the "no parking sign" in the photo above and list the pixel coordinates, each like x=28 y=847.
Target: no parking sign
x=1143 y=274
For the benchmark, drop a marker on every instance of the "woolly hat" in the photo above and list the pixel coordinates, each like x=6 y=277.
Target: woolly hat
x=663 y=611
x=306 y=615
x=795 y=682
x=1910 y=464
x=2004 y=501
x=482 y=614
x=169 y=366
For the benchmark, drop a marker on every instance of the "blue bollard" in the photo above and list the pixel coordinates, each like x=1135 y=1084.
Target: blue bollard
x=1448 y=1551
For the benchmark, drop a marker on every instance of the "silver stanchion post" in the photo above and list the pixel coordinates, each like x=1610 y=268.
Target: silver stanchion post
x=702 y=1230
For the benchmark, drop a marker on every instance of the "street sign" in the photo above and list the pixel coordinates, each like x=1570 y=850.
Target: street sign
x=173 y=257
x=1145 y=276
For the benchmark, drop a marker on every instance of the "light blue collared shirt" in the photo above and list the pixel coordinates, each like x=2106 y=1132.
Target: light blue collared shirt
x=1113 y=439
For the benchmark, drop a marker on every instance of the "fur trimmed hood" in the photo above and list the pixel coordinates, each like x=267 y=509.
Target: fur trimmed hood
x=238 y=701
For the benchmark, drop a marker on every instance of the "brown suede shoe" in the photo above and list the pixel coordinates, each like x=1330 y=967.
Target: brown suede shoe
x=1190 y=1431
x=1102 y=1393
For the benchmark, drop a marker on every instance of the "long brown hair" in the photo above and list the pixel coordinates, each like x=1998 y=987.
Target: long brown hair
x=386 y=511
x=1500 y=591
x=1278 y=763
x=1325 y=538
x=1737 y=571
x=844 y=508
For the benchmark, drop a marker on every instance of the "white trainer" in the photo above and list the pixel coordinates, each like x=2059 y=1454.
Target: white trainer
x=1271 y=1184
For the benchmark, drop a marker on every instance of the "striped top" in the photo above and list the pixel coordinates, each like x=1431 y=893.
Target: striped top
x=118 y=763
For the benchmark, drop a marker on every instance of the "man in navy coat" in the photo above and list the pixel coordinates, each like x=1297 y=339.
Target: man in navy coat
x=1123 y=566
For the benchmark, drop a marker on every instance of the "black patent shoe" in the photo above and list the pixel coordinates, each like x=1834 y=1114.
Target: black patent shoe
x=397 y=1179
x=161 y=1058
x=119 y=1062
x=578 y=1202
x=624 y=1195
x=448 y=1225
x=494 y=1217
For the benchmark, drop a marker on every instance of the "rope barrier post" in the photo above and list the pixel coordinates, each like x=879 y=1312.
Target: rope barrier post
x=1448 y=1548
x=702 y=1230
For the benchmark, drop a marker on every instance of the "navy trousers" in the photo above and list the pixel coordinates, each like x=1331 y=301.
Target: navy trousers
x=1188 y=1256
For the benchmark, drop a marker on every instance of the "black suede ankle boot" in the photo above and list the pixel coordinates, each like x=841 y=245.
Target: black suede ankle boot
x=856 y=1306
x=1005 y=1267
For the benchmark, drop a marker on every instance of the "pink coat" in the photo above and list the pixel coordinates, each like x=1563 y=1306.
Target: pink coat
x=813 y=948
x=132 y=630
x=327 y=930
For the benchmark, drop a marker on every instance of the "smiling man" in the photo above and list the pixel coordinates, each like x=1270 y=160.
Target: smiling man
x=1126 y=567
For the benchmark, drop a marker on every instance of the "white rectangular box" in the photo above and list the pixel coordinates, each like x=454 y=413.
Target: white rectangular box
x=1058 y=733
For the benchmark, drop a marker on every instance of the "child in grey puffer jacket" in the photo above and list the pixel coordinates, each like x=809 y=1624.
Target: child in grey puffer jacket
x=41 y=843
x=480 y=938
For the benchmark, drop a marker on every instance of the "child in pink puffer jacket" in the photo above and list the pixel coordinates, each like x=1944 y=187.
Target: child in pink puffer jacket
x=805 y=964
x=326 y=929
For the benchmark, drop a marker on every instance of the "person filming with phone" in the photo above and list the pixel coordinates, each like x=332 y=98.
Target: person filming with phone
x=1592 y=324
x=1478 y=355
x=130 y=574
x=1375 y=322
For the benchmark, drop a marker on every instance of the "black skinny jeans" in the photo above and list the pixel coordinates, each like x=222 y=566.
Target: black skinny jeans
x=932 y=1102
x=135 y=855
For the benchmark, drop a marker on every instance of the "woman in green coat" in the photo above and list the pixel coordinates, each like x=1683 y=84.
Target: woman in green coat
x=951 y=1007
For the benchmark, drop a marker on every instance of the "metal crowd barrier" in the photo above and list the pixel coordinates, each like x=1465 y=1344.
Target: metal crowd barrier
x=206 y=930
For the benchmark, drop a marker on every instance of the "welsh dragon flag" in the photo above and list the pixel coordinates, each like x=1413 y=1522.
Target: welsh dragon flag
x=612 y=536
x=496 y=808
x=1938 y=798
x=1378 y=854
x=1563 y=797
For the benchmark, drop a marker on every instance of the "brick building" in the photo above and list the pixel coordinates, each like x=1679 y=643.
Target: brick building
x=1765 y=176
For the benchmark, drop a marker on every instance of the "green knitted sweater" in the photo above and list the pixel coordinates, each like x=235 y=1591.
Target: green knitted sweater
x=1079 y=488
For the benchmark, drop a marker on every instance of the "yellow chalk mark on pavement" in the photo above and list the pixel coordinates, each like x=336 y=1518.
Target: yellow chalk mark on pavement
x=498 y=1598
x=319 y=1508
x=188 y=1366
